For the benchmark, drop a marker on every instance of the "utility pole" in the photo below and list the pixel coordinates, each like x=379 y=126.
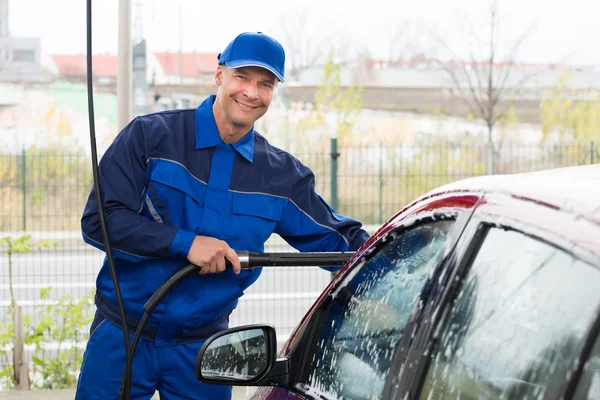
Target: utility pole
x=124 y=65
x=138 y=21
x=140 y=64
x=180 y=42
x=4 y=31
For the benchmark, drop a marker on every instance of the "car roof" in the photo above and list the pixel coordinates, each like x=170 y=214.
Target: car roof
x=572 y=189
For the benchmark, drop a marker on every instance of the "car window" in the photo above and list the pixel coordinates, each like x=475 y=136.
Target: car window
x=516 y=324
x=366 y=318
x=588 y=387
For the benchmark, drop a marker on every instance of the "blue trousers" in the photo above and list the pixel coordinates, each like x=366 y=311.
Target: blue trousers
x=170 y=370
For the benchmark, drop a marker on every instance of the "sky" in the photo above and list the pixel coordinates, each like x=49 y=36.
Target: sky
x=561 y=31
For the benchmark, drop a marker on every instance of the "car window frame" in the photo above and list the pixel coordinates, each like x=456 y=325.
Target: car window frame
x=410 y=380
x=590 y=340
x=591 y=343
x=301 y=363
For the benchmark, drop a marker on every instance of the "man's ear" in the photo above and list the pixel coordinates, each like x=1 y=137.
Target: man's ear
x=219 y=75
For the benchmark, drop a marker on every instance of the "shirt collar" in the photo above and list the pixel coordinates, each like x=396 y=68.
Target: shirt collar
x=207 y=134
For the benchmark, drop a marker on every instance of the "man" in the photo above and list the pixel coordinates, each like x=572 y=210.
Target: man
x=195 y=186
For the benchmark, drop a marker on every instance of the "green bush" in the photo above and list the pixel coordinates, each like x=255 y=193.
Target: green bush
x=62 y=321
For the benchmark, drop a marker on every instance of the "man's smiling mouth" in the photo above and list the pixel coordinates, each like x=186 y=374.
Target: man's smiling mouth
x=244 y=106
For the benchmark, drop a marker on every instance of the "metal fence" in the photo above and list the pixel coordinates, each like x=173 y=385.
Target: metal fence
x=43 y=194
x=46 y=191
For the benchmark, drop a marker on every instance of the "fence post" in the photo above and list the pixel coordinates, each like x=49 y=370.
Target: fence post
x=21 y=369
x=592 y=152
x=334 y=180
x=380 y=184
x=334 y=174
x=24 y=187
x=490 y=157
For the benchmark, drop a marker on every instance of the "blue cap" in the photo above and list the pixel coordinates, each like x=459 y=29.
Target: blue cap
x=254 y=50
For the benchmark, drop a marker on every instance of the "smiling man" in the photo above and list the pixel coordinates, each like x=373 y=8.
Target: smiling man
x=248 y=72
x=195 y=186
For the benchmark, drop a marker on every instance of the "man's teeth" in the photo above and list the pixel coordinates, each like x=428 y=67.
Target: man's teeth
x=244 y=106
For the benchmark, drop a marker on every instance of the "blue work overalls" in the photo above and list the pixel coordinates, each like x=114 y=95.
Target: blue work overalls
x=166 y=178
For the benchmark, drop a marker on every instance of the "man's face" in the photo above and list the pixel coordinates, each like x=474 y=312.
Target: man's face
x=244 y=94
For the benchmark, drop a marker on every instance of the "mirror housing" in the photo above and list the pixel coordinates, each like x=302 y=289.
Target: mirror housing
x=242 y=356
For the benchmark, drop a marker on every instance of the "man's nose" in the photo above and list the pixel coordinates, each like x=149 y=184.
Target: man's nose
x=251 y=91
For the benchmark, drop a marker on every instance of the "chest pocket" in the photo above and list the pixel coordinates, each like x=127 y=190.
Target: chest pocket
x=253 y=218
x=176 y=195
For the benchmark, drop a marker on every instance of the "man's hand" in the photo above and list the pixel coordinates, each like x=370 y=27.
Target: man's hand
x=209 y=255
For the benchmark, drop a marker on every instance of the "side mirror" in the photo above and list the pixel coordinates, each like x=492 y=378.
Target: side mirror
x=237 y=356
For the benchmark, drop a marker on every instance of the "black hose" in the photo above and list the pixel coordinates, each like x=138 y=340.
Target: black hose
x=166 y=287
x=98 y=193
x=149 y=307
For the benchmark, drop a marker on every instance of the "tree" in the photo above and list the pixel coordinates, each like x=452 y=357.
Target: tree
x=571 y=121
x=402 y=41
x=573 y=116
x=303 y=40
x=335 y=106
x=332 y=113
x=486 y=80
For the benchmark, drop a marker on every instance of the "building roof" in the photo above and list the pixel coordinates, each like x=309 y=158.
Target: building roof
x=76 y=65
x=436 y=78
x=194 y=64
x=431 y=76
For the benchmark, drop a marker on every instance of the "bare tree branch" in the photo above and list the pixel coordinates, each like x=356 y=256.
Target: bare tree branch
x=476 y=69
x=488 y=79
x=402 y=40
x=473 y=34
x=475 y=91
x=489 y=89
x=304 y=49
x=511 y=58
x=398 y=34
x=459 y=87
x=473 y=95
x=518 y=89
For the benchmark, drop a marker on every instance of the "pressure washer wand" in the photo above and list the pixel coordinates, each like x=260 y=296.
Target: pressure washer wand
x=249 y=260
x=319 y=259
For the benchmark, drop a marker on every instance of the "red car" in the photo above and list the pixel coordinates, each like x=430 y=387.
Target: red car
x=487 y=288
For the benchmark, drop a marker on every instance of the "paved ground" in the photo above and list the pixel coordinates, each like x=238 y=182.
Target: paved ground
x=239 y=393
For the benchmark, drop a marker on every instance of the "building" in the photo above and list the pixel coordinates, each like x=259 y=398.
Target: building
x=73 y=68
x=20 y=57
x=419 y=85
x=184 y=68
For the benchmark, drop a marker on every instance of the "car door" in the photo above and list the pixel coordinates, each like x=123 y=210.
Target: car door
x=514 y=321
x=350 y=352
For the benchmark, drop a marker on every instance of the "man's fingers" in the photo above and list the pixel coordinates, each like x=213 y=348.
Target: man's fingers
x=214 y=265
x=234 y=259
x=210 y=255
x=220 y=264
